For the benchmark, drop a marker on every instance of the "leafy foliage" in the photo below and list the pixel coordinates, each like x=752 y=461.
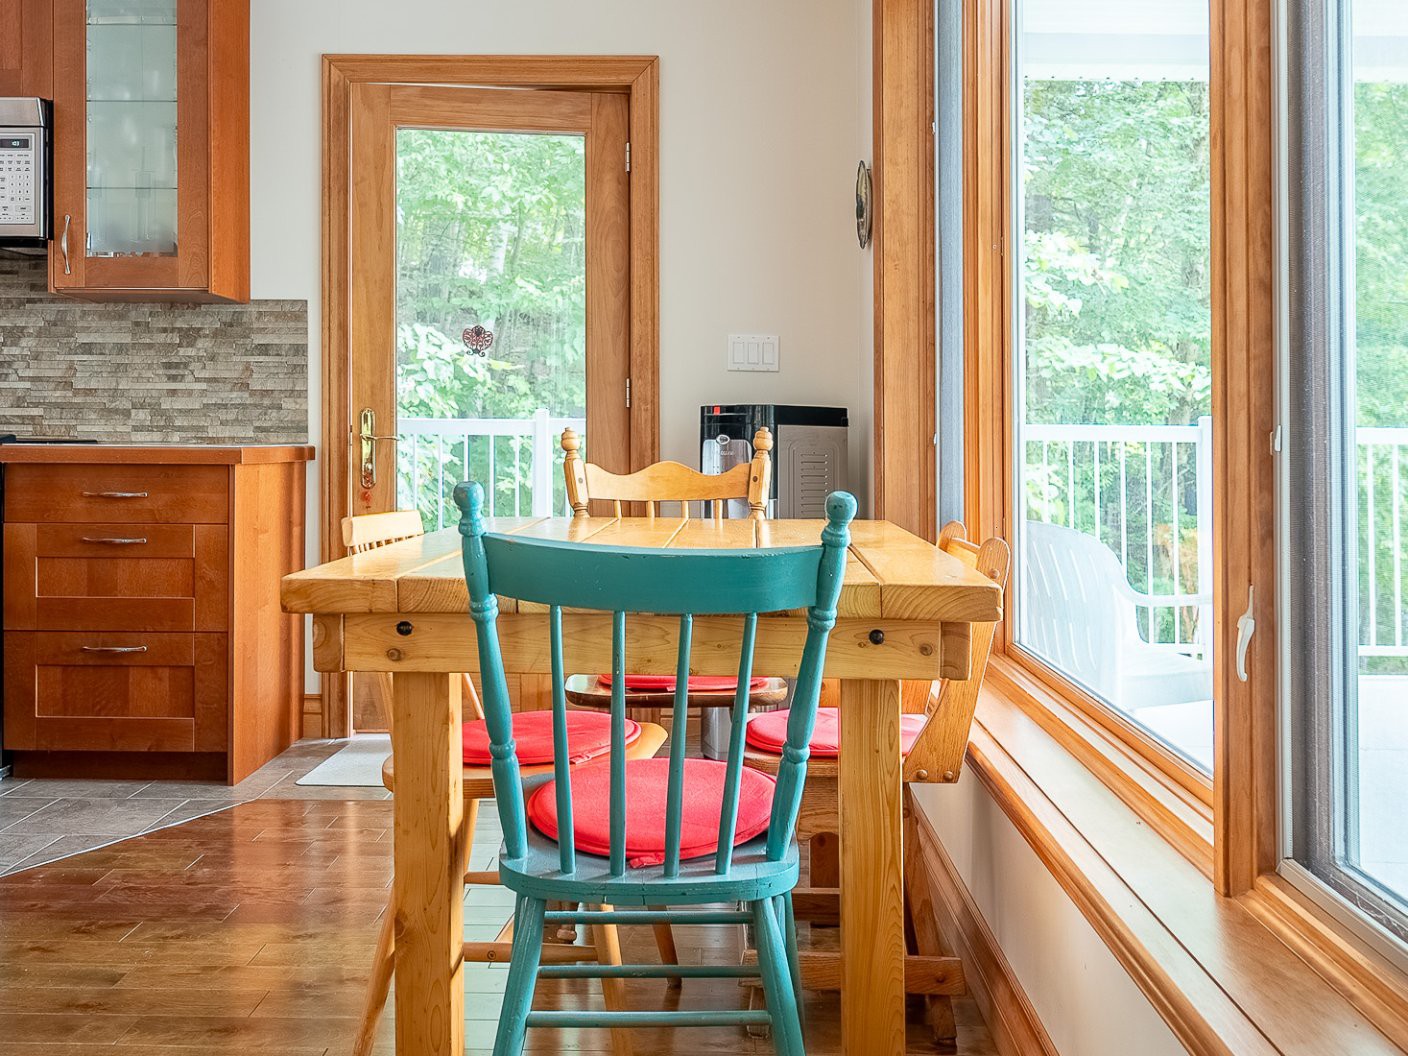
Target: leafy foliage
x=1381 y=256
x=1117 y=307
x=491 y=229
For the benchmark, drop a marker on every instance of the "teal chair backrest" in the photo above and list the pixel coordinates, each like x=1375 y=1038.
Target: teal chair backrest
x=624 y=580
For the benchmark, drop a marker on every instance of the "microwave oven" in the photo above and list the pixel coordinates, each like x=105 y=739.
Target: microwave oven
x=25 y=157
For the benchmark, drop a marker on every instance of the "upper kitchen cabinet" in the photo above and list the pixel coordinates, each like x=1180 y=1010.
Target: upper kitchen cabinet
x=151 y=150
x=26 y=48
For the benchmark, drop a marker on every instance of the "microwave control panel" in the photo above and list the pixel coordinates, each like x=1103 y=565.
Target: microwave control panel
x=20 y=174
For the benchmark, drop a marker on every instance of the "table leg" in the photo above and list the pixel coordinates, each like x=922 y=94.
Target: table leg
x=872 y=870
x=430 y=855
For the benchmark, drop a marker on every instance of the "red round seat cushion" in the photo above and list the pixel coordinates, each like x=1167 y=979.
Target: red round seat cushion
x=647 y=784
x=768 y=732
x=588 y=735
x=697 y=683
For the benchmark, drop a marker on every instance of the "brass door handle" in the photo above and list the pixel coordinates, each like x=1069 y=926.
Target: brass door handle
x=115 y=494
x=114 y=648
x=368 y=438
x=115 y=542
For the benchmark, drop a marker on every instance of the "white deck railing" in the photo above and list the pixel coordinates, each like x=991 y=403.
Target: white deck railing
x=518 y=460
x=1146 y=492
x=1382 y=468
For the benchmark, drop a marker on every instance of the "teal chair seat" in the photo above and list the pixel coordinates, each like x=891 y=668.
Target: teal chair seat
x=757 y=875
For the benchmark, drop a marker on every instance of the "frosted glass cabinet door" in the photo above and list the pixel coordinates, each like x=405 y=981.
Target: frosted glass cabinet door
x=132 y=121
x=150 y=97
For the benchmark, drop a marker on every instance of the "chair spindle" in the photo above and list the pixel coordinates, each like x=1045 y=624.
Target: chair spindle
x=484 y=610
x=618 y=743
x=733 y=778
x=821 y=618
x=567 y=848
x=674 y=806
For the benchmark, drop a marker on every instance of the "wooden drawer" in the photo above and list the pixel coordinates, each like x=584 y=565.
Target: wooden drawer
x=110 y=691
x=94 y=577
x=138 y=494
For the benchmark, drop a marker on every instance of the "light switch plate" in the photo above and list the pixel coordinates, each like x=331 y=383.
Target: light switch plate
x=753 y=352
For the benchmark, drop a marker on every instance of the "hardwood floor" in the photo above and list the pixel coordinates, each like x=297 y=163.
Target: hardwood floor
x=250 y=930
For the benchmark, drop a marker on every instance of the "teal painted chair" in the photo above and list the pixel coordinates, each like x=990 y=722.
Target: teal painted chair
x=686 y=844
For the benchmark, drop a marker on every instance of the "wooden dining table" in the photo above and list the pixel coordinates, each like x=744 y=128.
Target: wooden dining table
x=904 y=614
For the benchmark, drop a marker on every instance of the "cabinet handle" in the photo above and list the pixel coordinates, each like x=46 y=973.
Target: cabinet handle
x=63 y=243
x=114 y=648
x=115 y=542
x=114 y=494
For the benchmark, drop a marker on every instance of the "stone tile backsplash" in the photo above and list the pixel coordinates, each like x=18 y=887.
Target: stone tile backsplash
x=149 y=373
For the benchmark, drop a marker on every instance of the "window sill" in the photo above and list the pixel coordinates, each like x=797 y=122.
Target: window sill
x=1170 y=806
x=1229 y=976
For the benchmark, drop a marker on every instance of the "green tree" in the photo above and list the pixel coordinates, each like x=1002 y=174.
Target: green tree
x=1117 y=311
x=491 y=231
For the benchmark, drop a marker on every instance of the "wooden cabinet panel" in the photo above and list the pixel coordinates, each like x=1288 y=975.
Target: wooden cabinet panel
x=106 y=493
x=115 y=691
x=112 y=614
x=149 y=621
x=26 y=48
x=117 y=577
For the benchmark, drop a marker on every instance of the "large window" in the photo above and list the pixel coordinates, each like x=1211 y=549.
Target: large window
x=1347 y=419
x=1113 y=445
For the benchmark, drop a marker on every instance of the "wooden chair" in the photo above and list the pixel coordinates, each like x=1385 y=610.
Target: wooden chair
x=656 y=484
x=579 y=847
x=368 y=532
x=938 y=717
x=670 y=482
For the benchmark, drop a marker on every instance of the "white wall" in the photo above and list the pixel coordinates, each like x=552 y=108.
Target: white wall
x=764 y=112
x=1083 y=996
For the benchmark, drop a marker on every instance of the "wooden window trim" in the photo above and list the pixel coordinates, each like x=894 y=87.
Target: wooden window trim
x=1242 y=793
x=903 y=446
x=1246 y=804
x=1183 y=816
x=1265 y=973
x=1036 y=722
x=635 y=75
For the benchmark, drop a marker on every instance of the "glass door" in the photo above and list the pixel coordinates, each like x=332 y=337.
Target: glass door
x=491 y=316
x=490 y=294
x=490 y=302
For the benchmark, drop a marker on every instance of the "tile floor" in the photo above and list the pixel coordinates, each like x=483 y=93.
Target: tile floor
x=42 y=819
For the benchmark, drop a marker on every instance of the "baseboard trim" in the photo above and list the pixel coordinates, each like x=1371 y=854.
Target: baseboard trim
x=1012 y=1020
x=312 y=716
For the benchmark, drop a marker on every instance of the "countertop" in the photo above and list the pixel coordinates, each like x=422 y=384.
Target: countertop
x=155 y=454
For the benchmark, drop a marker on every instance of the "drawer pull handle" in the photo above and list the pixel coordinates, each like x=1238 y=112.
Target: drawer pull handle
x=115 y=494
x=114 y=542
x=114 y=648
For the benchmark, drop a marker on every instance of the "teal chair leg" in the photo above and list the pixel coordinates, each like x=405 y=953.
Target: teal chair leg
x=777 y=981
x=522 y=976
x=794 y=961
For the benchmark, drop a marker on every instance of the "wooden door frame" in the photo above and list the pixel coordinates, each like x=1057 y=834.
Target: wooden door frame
x=637 y=77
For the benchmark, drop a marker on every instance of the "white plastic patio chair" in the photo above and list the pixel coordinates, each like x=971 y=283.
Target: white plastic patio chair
x=1079 y=613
